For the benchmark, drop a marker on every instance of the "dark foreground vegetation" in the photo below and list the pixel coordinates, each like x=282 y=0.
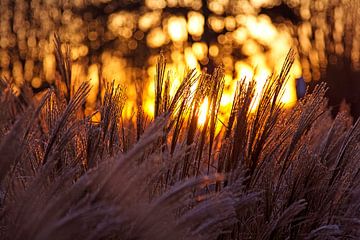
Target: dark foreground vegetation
x=273 y=173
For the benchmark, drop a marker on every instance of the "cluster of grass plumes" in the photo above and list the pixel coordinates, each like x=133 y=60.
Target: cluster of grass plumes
x=272 y=173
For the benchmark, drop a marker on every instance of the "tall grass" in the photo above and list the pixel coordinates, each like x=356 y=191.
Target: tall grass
x=272 y=173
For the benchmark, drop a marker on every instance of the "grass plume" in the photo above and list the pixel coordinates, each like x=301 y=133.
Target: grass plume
x=268 y=173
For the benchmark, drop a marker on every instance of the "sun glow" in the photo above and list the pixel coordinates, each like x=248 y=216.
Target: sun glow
x=123 y=49
x=177 y=29
x=256 y=69
x=203 y=111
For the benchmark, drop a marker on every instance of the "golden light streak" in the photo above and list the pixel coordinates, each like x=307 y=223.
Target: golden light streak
x=203 y=111
x=49 y=64
x=190 y=59
x=93 y=77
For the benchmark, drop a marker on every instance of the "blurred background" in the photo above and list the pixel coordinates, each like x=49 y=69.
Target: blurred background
x=121 y=40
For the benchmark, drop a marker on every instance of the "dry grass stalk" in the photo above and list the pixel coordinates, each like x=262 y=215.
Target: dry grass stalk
x=271 y=173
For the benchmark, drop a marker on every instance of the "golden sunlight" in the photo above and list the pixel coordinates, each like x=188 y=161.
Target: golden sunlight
x=123 y=48
x=177 y=29
x=203 y=111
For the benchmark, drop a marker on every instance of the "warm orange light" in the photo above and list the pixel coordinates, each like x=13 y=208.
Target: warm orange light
x=156 y=38
x=177 y=29
x=93 y=78
x=203 y=111
x=200 y=50
x=247 y=33
x=49 y=64
x=190 y=59
x=36 y=82
x=196 y=23
x=149 y=20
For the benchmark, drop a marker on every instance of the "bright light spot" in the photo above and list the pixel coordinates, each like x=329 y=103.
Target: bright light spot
x=177 y=29
x=240 y=35
x=149 y=20
x=230 y=23
x=156 y=38
x=122 y=24
x=155 y=4
x=200 y=50
x=251 y=47
x=218 y=7
x=243 y=70
x=190 y=58
x=113 y=68
x=216 y=23
x=36 y=82
x=203 y=111
x=93 y=78
x=196 y=23
x=260 y=77
x=213 y=50
x=289 y=96
x=175 y=83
